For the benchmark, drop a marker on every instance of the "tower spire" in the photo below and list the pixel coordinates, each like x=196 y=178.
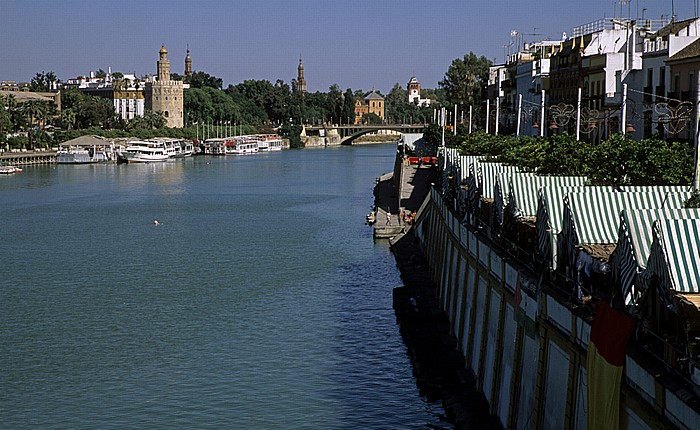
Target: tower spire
x=301 y=82
x=188 y=62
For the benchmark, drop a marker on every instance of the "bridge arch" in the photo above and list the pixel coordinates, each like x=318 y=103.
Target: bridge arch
x=349 y=134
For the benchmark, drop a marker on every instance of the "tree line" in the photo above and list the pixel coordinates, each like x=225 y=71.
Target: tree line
x=260 y=105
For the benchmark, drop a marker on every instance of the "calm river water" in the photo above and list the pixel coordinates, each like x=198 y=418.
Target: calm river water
x=259 y=301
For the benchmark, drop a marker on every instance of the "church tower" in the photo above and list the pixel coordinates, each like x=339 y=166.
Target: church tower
x=413 y=90
x=165 y=95
x=163 y=65
x=188 y=63
x=301 y=82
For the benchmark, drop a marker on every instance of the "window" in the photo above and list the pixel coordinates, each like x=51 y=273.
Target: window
x=167 y=114
x=676 y=82
x=691 y=82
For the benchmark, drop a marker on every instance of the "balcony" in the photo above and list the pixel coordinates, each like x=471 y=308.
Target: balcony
x=660 y=91
x=648 y=93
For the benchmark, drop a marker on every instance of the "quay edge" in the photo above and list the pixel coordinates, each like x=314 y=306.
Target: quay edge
x=521 y=345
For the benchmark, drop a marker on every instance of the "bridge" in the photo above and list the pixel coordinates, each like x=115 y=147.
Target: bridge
x=348 y=133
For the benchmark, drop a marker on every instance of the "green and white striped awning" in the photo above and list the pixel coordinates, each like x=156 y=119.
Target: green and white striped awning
x=486 y=175
x=523 y=188
x=656 y=188
x=634 y=247
x=593 y=217
x=550 y=207
x=675 y=256
x=464 y=162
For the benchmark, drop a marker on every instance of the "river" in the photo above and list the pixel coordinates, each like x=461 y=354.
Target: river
x=259 y=300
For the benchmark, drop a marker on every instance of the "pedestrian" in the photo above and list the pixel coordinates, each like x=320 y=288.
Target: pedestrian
x=388 y=218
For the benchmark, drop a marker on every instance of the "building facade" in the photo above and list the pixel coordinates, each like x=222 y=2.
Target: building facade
x=372 y=103
x=166 y=95
x=414 y=93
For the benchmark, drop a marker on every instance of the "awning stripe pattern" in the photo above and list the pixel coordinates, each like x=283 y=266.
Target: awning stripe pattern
x=675 y=256
x=593 y=217
x=634 y=247
x=550 y=207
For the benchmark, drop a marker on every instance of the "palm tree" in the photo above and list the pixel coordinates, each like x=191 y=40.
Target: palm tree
x=68 y=118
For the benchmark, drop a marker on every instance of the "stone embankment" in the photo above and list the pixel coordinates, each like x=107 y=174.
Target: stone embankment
x=438 y=365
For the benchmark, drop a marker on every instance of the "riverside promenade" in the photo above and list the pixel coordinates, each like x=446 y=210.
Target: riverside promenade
x=438 y=364
x=26 y=158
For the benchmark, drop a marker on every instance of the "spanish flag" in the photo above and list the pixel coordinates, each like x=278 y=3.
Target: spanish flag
x=610 y=333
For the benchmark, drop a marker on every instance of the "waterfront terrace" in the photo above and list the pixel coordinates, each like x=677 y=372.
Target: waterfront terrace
x=538 y=274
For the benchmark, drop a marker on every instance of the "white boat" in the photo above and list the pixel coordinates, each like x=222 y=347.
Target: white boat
x=214 y=146
x=269 y=142
x=180 y=148
x=146 y=151
x=242 y=145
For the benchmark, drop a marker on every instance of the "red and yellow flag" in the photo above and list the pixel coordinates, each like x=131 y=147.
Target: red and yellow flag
x=610 y=333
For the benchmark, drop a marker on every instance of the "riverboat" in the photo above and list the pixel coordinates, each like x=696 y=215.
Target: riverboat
x=214 y=146
x=242 y=145
x=146 y=151
x=269 y=142
x=180 y=148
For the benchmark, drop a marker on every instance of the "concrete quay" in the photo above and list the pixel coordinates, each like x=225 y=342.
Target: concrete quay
x=438 y=365
x=28 y=158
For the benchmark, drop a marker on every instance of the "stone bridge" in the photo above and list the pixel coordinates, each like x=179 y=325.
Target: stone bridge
x=348 y=133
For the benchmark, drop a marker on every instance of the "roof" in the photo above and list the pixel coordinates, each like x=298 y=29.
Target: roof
x=374 y=96
x=674 y=27
x=690 y=51
x=25 y=96
x=87 y=140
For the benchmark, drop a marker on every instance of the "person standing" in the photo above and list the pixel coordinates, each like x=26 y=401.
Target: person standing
x=388 y=218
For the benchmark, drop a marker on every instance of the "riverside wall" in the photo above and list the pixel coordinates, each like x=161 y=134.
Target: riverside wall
x=516 y=347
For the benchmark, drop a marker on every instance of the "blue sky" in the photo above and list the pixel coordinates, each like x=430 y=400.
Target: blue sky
x=354 y=43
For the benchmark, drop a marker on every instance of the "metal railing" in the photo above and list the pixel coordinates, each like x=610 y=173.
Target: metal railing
x=616 y=24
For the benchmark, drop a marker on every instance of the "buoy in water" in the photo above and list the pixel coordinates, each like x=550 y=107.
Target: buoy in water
x=155 y=222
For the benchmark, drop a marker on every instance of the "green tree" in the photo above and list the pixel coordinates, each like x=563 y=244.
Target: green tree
x=348 y=111
x=465 y=79
x=202 y=79
x=44 y=82
x=334 y=104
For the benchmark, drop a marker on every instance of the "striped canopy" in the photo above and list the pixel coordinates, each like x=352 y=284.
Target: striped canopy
x=465 y=161
x=593 y=217
x=550 y=207
x=675 y=256
x=523 y=187
x=486 y=175
x=635 y=238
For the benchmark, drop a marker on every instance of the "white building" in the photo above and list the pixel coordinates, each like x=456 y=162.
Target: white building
x=414 y=93
x=126 y=92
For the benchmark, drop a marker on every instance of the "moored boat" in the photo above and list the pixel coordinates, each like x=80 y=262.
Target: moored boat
x=242 y=145
x=146 y=151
